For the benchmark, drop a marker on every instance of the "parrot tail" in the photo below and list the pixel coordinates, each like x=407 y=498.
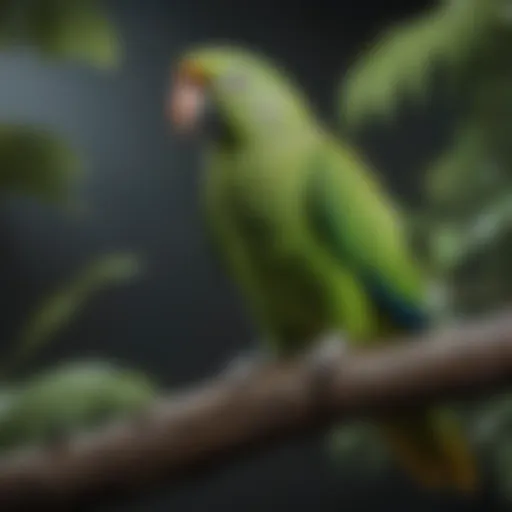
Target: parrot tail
x=432 y=448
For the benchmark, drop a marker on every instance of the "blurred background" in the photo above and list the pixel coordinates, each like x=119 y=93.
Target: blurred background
x=97 y=89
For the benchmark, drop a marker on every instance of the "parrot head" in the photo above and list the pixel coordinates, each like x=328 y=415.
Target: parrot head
x=237 y=93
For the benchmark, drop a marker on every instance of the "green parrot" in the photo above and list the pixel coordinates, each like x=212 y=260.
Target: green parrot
x=308 y=233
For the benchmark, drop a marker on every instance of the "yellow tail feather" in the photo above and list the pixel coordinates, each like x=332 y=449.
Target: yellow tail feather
x=432 y=448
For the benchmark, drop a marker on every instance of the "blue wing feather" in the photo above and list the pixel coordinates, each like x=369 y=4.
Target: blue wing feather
x=402 y=313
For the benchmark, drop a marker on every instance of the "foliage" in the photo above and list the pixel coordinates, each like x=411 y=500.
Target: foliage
x=467 y=216
x=471 y=41
x=357 y=442
x=452 y=34
x=39 y=164
x=61 y=29
x=36 y=163
x=62 y=306
x=72 y=397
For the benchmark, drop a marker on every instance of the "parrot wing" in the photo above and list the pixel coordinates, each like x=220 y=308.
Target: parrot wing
x=352 y=218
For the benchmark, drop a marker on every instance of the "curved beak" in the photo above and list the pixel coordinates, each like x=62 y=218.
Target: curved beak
x=185 y=103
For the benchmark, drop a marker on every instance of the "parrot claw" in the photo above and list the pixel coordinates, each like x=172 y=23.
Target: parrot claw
x=247 y=364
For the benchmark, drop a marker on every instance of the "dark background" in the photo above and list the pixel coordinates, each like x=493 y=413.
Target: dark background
x=182 y=320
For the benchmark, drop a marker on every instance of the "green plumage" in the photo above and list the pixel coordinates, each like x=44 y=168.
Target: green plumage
x=311 y=238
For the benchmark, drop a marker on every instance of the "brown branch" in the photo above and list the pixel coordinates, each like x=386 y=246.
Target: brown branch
x=190 y=432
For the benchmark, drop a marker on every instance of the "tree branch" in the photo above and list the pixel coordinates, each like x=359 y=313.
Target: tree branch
x=204 y=427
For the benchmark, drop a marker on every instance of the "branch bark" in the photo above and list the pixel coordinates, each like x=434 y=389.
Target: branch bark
x=184 y=434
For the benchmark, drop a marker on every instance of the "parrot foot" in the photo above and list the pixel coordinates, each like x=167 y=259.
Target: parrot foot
x=325 y=356
x=327 y=349
x=247 y=364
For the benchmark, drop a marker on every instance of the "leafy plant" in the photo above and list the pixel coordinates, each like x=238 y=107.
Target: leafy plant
x=61 y=29
x=33 y=161
x=471 y=41
x=39 y=164
x=72 y=397
x=59 y=309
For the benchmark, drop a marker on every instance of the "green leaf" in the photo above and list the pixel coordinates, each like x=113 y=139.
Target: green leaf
x=487 y=227
x=73 y=29
x=59 y=309
x=403 y=59
x=492 y=222
x=503 y=469
x=37 y=164
x=450 y=178
x=6 y=22
x=490 y=430
x=71 y=397
x=357 y=445
x=454 y=244
x=8 y=396
x=491 y=422
x=448 y=246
